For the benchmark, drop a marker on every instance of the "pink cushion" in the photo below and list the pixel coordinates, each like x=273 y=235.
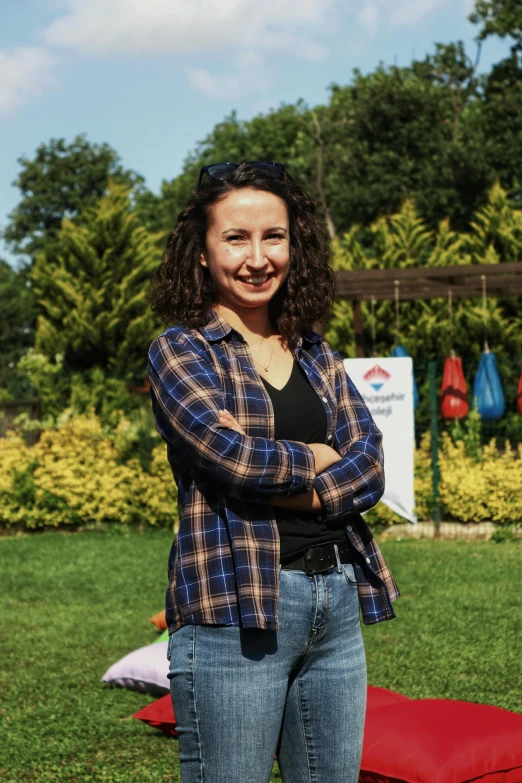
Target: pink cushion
x=441 y=741
x=144 y=669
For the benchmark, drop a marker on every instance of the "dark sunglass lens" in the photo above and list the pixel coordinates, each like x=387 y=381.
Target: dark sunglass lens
x=274 y=169
x=221 y=171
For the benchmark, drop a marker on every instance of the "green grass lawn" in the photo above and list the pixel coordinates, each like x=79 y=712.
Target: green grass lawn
x=71 y=605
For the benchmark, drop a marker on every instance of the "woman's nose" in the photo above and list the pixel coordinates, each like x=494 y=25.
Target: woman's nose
x=256 y=257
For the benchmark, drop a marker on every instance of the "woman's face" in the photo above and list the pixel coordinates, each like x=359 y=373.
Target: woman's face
x=247 y=247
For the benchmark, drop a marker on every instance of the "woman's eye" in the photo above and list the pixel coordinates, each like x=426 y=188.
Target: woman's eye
x=276 y=236
x=234 y=237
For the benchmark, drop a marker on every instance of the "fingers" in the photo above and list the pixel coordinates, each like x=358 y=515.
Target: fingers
x=227 y=420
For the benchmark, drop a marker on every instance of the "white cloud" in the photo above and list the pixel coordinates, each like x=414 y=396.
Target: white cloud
x=369 y=15
x=409 y=12
x=190 y=26
x=402 y=13
x=250 y=74
x=24 y=72
x=235 y=34
x=238 y=36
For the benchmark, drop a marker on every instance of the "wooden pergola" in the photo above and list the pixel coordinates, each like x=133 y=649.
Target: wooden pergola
x=425 y=283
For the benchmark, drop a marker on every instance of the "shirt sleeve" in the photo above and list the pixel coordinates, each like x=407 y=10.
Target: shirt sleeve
x=356 y=482
x=186 y=395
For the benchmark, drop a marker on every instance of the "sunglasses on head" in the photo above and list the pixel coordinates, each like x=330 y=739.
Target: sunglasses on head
x=223 y=171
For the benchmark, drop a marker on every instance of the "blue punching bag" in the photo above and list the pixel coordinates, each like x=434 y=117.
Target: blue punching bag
x=487 y=389
x=399 y=351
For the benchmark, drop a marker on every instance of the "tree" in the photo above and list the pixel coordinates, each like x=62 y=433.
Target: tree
x=60 y=182
x=398 y=144
x=270 y=136
x=501 y=120
x=451 y=68
x=392 y=134
x=17 y=323
x=403 y=239
x=92 y=292
x=499 y=17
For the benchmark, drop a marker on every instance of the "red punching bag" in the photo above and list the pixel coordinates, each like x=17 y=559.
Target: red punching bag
x=454 y=402
x=520 y=394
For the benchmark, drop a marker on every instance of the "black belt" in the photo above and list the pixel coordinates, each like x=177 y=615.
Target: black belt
x=319 y=558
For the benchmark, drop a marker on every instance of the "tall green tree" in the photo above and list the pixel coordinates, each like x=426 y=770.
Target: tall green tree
x=92 y=291
x=270 y=136
x=17 y=325
x=499 y=17
x=501 y=119
x=60 y=182
x=404 y=240
x=398 y=138
x=415 y=132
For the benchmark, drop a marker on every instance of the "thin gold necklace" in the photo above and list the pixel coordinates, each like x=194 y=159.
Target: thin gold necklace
x=261 y=365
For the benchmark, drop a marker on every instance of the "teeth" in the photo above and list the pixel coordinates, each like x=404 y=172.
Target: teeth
x=255 y=279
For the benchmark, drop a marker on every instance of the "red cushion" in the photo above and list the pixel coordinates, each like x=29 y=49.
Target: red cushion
x=419 y=740
x=382 y=697
x=441 y=741
x=160 y=715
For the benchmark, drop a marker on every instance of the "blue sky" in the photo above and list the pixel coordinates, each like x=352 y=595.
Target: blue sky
x=152 y=77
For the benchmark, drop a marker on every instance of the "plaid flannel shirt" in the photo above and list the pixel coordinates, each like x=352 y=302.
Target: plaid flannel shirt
x=224 y=562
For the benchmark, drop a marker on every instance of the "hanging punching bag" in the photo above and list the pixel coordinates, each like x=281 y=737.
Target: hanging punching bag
x=487 y=389
x=399 y=351
x=453 y=391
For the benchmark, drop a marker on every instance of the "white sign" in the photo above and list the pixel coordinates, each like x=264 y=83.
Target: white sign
x=386 y=385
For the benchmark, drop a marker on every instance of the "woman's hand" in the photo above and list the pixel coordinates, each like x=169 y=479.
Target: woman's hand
x=227 y=420
x=324 y=456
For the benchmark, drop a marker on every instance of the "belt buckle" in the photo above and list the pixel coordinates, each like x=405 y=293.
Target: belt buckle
x=313 y=556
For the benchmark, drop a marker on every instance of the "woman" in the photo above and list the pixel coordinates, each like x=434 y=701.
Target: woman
x=275 y=455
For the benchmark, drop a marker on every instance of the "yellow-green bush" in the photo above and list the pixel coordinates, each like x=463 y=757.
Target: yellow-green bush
x=470 y=490
x=79 y=475
x=75 y=475
x=486 y=489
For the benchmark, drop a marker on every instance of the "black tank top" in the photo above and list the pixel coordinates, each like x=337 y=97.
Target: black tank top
x=300 y=415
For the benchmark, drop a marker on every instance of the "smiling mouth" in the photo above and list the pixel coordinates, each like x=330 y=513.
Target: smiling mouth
x=257 y=280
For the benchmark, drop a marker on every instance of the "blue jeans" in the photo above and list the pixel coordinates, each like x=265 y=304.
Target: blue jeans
x=241 y=695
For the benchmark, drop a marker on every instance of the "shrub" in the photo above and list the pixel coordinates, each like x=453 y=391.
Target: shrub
x=79 y=474
x=76 y=475
x=475 y=486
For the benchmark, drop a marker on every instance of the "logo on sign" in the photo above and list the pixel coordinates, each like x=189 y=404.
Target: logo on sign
x=376 y=377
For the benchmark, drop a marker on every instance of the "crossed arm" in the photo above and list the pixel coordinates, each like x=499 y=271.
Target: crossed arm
x=186 y=396
x=309 y=501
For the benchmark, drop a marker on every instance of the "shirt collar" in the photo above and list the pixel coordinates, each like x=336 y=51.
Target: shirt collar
x=217 y=328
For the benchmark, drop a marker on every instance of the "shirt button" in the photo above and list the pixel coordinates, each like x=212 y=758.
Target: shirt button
x=324 y=399
x=329 y=437
x=349 y=528
x=367 y=559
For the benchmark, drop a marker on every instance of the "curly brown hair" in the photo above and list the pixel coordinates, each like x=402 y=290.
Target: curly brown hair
x=182 y=290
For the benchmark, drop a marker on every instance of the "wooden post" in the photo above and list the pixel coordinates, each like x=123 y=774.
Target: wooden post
x=358 y=328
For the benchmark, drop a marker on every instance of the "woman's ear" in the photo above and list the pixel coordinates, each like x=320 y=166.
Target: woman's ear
x=203 y=260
